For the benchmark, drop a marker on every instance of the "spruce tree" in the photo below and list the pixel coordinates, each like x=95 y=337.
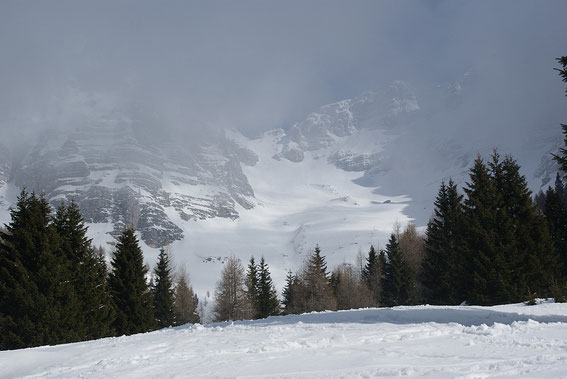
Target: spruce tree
x=561 y=158
x=289 y=293
x=489 y=279
x=397 y=288
x=372 y=274
x=530 y=250
x=38 y=303
x=443 y=266
x=508 y=246
x=89 y=274
x=556 y=216
x=129 y=289
x=163 y=294
x=267 y=298
x=252 y=286
x=318 y=292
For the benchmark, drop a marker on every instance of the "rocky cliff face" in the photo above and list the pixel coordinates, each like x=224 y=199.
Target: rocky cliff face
x=400 y=142
x=116 y=178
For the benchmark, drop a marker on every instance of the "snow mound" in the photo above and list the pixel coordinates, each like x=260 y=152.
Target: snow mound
x=425 y=341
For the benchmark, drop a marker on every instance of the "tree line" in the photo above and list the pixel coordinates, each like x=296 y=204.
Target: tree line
x=55 y=286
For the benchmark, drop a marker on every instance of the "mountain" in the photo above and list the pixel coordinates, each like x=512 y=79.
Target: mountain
x=339 y=178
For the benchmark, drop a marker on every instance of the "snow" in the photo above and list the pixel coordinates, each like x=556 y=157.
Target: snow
x=426 y=341
x=296 y=209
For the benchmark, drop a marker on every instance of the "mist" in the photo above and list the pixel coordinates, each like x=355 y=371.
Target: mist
x=185 y=67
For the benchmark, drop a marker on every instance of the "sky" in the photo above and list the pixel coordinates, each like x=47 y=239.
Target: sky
x=256 y=65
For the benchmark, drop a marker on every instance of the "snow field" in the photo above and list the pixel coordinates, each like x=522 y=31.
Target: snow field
x=426 y=341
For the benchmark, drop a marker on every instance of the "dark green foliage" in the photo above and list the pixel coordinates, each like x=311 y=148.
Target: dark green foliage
x=267 y=303
x=130 y=292
x=561 y=158
x=88 y=274
x=372 y=274
x=509 y=254
x=397 y=286
x=318 y=291
x=252 y=285
x=556 y=216
x=163 y=292
x=289 y=293
x=311 y=290
x=38 y=303
x=442 y=269
x=490 y=271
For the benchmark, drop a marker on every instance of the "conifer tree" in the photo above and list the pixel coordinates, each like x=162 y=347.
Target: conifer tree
x=252 y=286
x=556 y=216
x=530 y=249
x=267 y=298
x=561 y=158
x=372 y=275
x=508 y=246
x=289 y=293
x=317 y=288
x=38 y=304
x=88 y=274
x=185 y=301
x=397 y=287
x=163 y=294
x=489 y=279
x=129 y=289
x=442 y=269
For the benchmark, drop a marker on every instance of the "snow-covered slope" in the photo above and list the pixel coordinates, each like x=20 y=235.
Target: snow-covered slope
x=433 y=342
x=339 y=178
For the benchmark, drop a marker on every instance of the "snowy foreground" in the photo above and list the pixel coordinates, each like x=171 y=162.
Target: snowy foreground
x=432 y=342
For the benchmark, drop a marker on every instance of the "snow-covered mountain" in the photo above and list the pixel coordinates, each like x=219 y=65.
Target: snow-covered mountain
x=339 y=178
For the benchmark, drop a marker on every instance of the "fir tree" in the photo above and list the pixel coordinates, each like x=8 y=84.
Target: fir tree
x=397 y=288
x=561 y=158
x=489 y=273
x=267 y=298
x=163 y=294
x=530 y=250
x=317 y=288
x=89 y=274
x=130 y=292
x=556 y=216
x=289 y=293
x=509 y=249
x=252 y=286
x=38 y=303
x=442 y=269
x=372 y=275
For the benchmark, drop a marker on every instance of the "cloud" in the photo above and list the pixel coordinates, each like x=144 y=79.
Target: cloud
x=256 y=65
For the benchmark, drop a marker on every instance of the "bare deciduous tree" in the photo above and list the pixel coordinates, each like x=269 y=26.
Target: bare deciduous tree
x=350 y=291
x=231 y=298
x=184 y=306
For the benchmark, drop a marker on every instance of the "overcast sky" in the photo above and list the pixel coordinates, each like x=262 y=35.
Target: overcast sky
x=256 y=65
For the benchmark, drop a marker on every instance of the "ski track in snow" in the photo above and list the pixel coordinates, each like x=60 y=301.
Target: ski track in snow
x=427 y=341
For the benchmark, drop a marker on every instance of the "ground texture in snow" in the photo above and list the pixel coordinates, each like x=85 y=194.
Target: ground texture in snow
x=432 y=342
